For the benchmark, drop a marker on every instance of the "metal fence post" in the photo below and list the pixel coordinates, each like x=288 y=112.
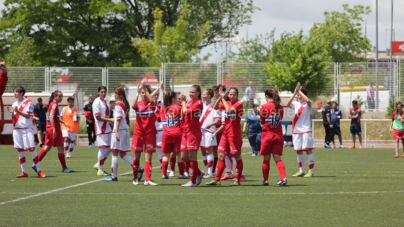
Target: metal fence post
x=366 y=134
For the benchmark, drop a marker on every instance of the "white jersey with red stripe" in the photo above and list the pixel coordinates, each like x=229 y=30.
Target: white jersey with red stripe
x=101 y=109
x=121 y=113
x=24 y=106
x=209 y=115
x=302 y=121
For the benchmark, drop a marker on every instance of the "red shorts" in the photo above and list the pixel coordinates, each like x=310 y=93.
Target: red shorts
x=53 y=142
x=170 y=147
x=144 y=142
x=230 y=145
x=398 y=134
x=191 y=140
x=271 y=144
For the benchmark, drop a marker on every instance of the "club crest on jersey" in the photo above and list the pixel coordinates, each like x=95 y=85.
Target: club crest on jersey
x=230 y=115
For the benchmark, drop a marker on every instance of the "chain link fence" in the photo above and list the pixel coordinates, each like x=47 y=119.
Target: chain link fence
x=34 y=79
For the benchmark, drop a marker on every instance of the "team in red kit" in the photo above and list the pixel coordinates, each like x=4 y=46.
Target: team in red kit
x=174 y=127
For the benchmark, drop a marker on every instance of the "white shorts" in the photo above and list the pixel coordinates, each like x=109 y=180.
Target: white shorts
x=124 y=141
x=104 y=140
x=303 y=142
x=70 y=135
x=159 y=138
x=24 y=139
x=207 y=141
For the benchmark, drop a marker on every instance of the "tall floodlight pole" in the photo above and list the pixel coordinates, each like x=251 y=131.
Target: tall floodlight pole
x=377 y=56
x=390 y=85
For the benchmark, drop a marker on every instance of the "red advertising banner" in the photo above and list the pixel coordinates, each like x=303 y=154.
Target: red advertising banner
x=397 y=47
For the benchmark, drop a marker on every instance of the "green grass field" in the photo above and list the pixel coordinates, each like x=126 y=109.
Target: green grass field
x=350 y=188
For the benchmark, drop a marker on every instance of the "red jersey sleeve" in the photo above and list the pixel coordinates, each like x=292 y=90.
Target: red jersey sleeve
x=195 y=107
x=393 y=116
x=238 y=107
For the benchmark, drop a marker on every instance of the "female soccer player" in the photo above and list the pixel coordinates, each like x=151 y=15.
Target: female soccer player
x=171 y=142
x=144 y=133
x=69 y=115
x=208 y=121
x=120 y=139
x=191 y=134
x=231 y=141
x=271 y=115
x=23 y=134
x=301 y=130
x=53 y=137
x=397 y=120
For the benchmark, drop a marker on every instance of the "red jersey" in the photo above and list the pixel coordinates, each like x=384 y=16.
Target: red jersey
x=56 y=116
x=232 y=119
x=191 y=116
x=170 y=117
x=145 y=119
x=271 y=118
x=3 y=82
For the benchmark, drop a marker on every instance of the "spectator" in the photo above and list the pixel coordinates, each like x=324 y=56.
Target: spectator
x=40 y=110
x=335 y=115
x=326 y=123
x=355 y=116
x=250 y=94
x=370 y=96
x=88 y=112
x=254 y=129
x=111 y=108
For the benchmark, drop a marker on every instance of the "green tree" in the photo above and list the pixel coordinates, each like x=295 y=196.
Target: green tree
x=342 y=33
x=295 y=57
x=100 y=32
x=171 y=44
x=255 y=50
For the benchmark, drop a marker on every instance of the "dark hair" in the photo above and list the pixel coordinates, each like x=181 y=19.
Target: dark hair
x=52 y=97
x=355 y=102
x=217 y=87
x=102 y=88
x=70 y=99
x=304 y=91
x=335 y=102
x=274 y=95
x=169 y=96
x=148 y=87
x=198 y=89
x=210 y=92
x=39 y=99
x=397 y=103
x=234 y=88
x=120 y=91
x=19 y=89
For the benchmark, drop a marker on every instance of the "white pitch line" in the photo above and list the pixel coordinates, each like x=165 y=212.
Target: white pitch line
x=212 y=193
x=64 y=188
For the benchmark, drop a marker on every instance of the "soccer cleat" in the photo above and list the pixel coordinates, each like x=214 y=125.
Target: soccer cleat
x=68 y=154
x=298 y=174
x=171 y=174
x=199 y=178
x=326 y=145
x=40 y=145
x=227 y=176
x=150 y=183
x=164 y=177
x=34 y=167
x=309 y=174
x=207 y=176
x=213 y=183
x=341 y=147
x=352 y=147
x=189 y=184
x=22 y=174
x=235 y=183
x=253 y=154
x=41 y=174
x=242 y=178
x=396 y=156
x=360 y=147
x=110 y=178
x=333 y=147
x=265 y=183
x=135 y=181
x=67 y=170
x=281 y=183
x=186 y=174
x=102 y=173
x=183 y=177
x=95 y=166
x=140 y=173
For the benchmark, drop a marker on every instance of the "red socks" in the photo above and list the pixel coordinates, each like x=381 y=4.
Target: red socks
x=147 y=170
x=62 y=160
x=239 y=169
x=41 y=154
x=265 y=169
x=164 y=166
x=219 y=169
x=281 y=169
x=135 y=168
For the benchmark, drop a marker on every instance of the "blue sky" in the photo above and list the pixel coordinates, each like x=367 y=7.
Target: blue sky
x=293 y=15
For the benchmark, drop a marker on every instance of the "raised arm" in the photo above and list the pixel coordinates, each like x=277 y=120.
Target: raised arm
x=297 y=89
x=134 y=102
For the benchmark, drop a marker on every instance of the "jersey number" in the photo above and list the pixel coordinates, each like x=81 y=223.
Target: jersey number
x=276 y=119
x=170 y=120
